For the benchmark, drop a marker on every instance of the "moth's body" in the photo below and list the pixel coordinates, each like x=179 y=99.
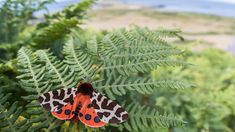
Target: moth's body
x=92 y=108
x=85 y=88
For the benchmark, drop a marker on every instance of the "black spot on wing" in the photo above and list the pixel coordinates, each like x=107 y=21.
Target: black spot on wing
x=114 y=120
x=75 y=113
x=100 y=115
x=67 y=112
x=47 y=95
x=80 y=114
x=96 y=119
x=79 y=106
x=124 y=116
x=47 y=106
x=71 y=102
x=56 y=94
x=68 y=99
x=106 y=114
x=40 y=99
x=105 y=105
x=89 y=106
x=69 y=90
x=119 y=111
x=87 y=116
x=96 y=106
x=59 y=111
x=99 y=97
x=57 y=105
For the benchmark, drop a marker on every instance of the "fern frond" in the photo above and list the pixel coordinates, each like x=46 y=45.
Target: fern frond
x=78 y=59
x=33 y=78
x=122 y=85
x=143 y=66
x=160 y=32
x=92 y=45
x=150 y=54
x=75 y=10
x=133 y=41
x=56 y=31
x=136 y=50
x=32 y=73
x=40 y=118
x=57 y=71
x=146 y=118
x=10 y=117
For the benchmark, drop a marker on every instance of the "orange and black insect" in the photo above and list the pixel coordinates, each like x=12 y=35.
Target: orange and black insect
x=82 y=101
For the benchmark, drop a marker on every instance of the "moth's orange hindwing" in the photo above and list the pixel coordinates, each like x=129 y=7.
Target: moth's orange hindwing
x=87 y=114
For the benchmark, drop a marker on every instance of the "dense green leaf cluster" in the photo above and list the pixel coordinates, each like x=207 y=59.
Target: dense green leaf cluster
x=58 y=54
x=15 y=14
x=10 y=117
x=209 y=106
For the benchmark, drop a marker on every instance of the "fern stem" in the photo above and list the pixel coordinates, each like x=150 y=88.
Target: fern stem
x=159 y=53
x=153 y=83
x=141 y=63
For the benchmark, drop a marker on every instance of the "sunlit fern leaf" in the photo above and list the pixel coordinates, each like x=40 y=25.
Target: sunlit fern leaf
x=144 y=118
x=149 y=55
x=132 y=51
x=77 y=58
x=11 y=119
x=125 y=67
x=135 y=40
x=60 y=74
x=31 y=72
x=121 y=85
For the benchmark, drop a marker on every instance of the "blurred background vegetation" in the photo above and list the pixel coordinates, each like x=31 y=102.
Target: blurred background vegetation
x=207 y=42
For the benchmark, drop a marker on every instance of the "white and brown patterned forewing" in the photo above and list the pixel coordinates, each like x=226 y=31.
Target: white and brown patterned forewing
x=54 y=100
x=107 y=110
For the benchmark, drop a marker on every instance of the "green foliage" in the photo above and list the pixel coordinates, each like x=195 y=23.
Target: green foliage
x=148 y=119
x=10 y=117
x=58 y=54
x=53 y=33
x=209 y=106
x=56 y=26
x=60 y=73
x=41 y=71
x=15 y=14
x=138 y=50
x=79 y=60
x=31 y=72
x=48 y=34
x=77 y=10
